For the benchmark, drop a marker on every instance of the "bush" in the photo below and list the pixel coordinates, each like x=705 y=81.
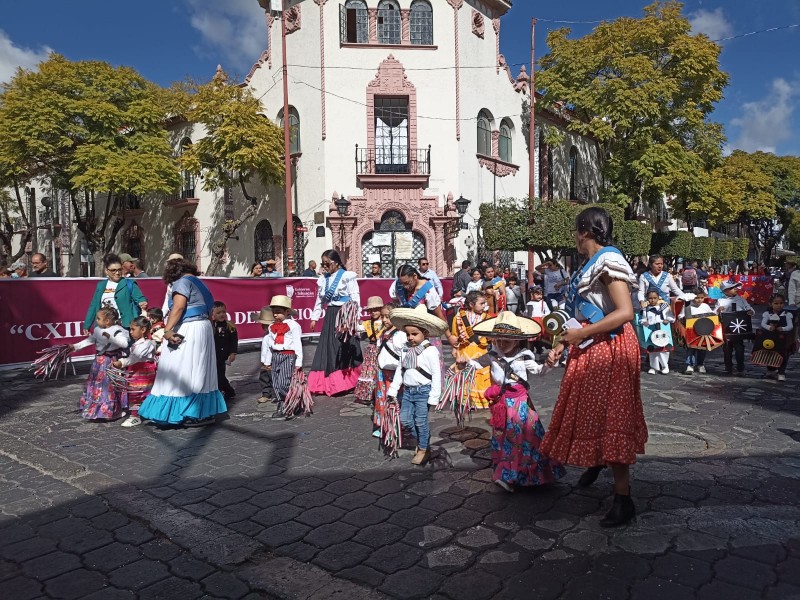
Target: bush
x=702 y=248
x=633 y=238
x=553 y=223
x=723 y=250
x=505 y=227
x=672 y=244
x=741 y=249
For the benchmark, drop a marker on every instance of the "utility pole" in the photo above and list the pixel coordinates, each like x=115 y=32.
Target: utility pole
x=287 y=157
x=531 y=142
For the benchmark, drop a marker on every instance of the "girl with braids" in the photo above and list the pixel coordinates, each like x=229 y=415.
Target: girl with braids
x=598 y=419
x=469 y=346
x=140 y=367
x=371 y=330
x=101 y=400
x=338 y=358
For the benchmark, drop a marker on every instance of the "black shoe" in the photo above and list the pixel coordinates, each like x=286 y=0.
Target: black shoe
x=590 y=475
x=278 y=414
x=621 y=512
x=199 y=422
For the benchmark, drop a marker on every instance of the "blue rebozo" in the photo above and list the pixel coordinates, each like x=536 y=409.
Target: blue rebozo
x=576 y=304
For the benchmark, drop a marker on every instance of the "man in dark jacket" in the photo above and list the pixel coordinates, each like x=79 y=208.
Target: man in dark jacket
x=39 y=266
x=461 y=279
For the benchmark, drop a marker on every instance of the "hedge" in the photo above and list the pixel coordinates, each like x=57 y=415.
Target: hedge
x=553 y=223
x=633 y=237
x=702 y=248
x=741 y=249
x=673 y=244
x=723 y=250
x=505 y=227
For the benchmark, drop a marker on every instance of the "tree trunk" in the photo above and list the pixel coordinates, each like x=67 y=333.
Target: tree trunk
x=220 y=246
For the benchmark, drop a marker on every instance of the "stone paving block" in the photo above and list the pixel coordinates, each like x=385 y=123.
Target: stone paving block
x=271 y=498
x=63 y=528
x=682 y=569
x=15 y=533
x=172 y=587
x=449 y=558
x=379 y=535
x=191 y=496
x=321 y=515
x=394 y=557
x=110 y=521
x=473 y=585
x=283 y=533
x=442 y=502
x=345 y=486
x=622 y=565
x=369 y=515
x=27 y=549
x=744 y=572
x=224 y=585
x=50 y=565
x=654 y=588
x=355 y=500
x=21 y=588
x=313 y=499
x=75 y=584
x=720 y=590
x=139 y=574
x=789 y=571
x=303 y=486
x=162 y=550
x=231 y=496
x=328 y=535
x=92 y=507
x=8 y=570
x=478 y=537
x=133 y=533
x=783 y=591
x=770 y=554
x=385 y=487
x=415 y=582
x=276 y=514
x=190 y=568
x=342 y=556
x=412 y=517
x=267 y=483
x=110 y=593
x=201 y=509
x=298 y=551
x=233 y=513
x=459 y=518
x=428 y=536
x=363 y=575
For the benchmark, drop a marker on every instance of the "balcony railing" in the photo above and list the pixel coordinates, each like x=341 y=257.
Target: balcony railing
x=180 y=195
x=393 y=161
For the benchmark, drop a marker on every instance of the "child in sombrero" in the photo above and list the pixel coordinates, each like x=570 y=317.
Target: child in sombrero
x=517 y=430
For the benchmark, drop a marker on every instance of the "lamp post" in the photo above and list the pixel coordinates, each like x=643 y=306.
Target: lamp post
x=343 y=208
x=462 y=204
x=48 y=207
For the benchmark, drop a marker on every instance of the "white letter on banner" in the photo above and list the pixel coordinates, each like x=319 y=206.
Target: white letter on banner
x=240 y=318
x=29 y=332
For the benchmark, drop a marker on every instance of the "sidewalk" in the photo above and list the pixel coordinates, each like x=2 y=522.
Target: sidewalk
x=310 y=508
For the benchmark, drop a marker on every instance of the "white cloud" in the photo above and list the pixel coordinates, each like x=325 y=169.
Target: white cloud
x=13 y=56
x=765 y=123
x=234 y=28
x=713 y=23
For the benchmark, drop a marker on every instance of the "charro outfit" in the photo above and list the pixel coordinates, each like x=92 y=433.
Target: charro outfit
x=390 y=346
x=282 y=349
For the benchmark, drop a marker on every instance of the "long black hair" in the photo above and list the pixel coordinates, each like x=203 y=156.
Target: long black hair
x=409 y=270
x=597 y=223
x=333 y=255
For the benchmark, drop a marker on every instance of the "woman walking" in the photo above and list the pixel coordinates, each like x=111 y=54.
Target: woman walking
x=185 y=391
x=120 y=293
x=598 y=418
x=338 y=358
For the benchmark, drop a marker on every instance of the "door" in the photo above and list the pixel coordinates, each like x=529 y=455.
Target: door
x=394 y=243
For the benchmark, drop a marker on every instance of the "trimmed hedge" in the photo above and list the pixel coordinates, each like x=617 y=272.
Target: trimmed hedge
x=741 y=249
x=506 y=226
x=672 y=244
x=553 y=223
x=723 y=250
x=633 y=238
x=702 y=248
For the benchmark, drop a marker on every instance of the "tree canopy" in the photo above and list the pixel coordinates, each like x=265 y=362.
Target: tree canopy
x=643 y=89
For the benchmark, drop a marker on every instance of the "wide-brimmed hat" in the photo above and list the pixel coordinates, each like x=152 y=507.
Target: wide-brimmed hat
x=375 y=302
x=418 y=317
x=281 y=301
x=125 y=257
x=175 y=256
x=265 y=316
x=508 y=325
x=729 y=285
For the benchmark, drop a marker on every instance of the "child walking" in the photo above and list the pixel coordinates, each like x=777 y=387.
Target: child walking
x=266 y=318
x=156 y=317
x=140 y=366
x=101 y=400
x=732 y=302
x=365 y=388
x=696 y=358
x=656 y=313
x=390 y=346
x=778 y=319
x=226 y=342
x=537 y=309
x=517 y=430
x=282 y=350
x=419 y=373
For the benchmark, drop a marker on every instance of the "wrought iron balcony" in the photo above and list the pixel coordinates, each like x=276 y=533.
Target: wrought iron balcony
x=393 y=161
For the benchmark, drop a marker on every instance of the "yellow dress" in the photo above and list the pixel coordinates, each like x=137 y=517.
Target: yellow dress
x=472 y=349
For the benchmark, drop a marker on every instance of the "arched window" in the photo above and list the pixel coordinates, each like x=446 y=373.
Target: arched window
x=389 y=27
x=186 y=237
x=504 y=146
x=421 y=22
x=573 y=173
x=294 y=129
x=394 y=223
x=299 y=247
x=354 y=22
x=485 y=133
x=263 y=245
x=187 y=189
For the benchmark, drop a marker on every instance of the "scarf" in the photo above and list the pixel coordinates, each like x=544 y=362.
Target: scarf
x=280 y=330
x=332 y=286
x=464 y=326
x=411 y=355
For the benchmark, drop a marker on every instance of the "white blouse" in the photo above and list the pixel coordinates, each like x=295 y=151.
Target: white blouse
x=432 y=298
x=592 y=288
x=347 y=286
x=106 y=340
x=522 y=363
x=395 y=343
x=143 y=350
x=669 y=286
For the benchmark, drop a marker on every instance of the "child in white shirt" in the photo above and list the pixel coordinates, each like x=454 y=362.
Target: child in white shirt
x=696 y=308
x=390 y=347
x=656 y=313
x=733 y=302
x=778 y=319
x=282 y=350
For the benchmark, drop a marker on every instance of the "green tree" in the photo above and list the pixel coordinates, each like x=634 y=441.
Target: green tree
x=240 y=144
x=702 y=248
x=91 y=129
x=633 y=238
x=672 y=244
x=643 y=89
x=723 y=251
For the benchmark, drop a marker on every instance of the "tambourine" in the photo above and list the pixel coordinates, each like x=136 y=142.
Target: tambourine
x=555 y=322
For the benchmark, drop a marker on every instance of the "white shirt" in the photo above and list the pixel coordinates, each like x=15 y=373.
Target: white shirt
x=117 y=339
x=793 y=288
x=432 y=298
x=348 y=286
x=428 y=360
x=431 y=276
x=551 y=278
x=522 y=363
x=396 y=342
x=765 y=323
x=691 y=311
x=107 y=299
x=475 y=286
x=292 y=340
x=733 y=304
x=143 y=350
x=538 y=308
x=669 y=286
x=662 y=314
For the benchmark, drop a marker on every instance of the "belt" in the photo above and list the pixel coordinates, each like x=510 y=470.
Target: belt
x=283 y=351
x=414 y=387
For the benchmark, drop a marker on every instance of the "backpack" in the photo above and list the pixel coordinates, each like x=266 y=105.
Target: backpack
x=689 y=278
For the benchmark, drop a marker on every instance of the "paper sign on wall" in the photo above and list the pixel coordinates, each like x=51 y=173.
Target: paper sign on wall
x=381 y=239
x=403 y=245
x=373 y=258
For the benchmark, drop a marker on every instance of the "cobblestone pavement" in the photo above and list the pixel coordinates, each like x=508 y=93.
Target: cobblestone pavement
x=310 y=508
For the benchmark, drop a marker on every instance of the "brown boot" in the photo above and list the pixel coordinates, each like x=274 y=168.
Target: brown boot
x=421 y=457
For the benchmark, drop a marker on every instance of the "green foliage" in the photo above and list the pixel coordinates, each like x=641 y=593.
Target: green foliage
x=553 y=224
x=741 y=249
x=505 y=227
x=672 y=244
x=633 y=237
x=644 y=89
x=723 y=250
x=702 y=248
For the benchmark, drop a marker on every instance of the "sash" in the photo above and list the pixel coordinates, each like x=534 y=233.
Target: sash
x=330 y=289
x=196 y=311
x=656 y=285
x=576 y=304
x=418 y=296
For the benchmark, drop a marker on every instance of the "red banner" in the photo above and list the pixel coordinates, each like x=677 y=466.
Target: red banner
x=38 y=313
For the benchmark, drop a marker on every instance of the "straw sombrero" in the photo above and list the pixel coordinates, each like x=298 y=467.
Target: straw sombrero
x=508 y=325
x=375 y=302
x=265 y=316
x=418 y=317
x=281 y=301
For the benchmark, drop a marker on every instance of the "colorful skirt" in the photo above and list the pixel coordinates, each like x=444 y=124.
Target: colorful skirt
x=186 y=379
x=383 y=381
x=517 y=434
x=598 y=416
x=141 y=377
x=369 y=371
x=100 y=399
x=336 y=366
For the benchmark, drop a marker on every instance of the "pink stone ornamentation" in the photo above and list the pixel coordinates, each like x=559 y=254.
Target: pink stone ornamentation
x=478 y=23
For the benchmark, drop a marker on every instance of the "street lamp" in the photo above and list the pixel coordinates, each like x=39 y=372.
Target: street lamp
x=461 y=206
x=342 y=206
x=48 y=207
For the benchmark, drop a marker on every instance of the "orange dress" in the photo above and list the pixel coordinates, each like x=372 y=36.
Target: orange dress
x=471 y=347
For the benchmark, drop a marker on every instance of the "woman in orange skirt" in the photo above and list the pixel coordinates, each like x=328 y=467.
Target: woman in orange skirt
x=598 y=419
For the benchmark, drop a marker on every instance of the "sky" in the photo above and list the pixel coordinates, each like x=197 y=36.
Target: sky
x=172 y=40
